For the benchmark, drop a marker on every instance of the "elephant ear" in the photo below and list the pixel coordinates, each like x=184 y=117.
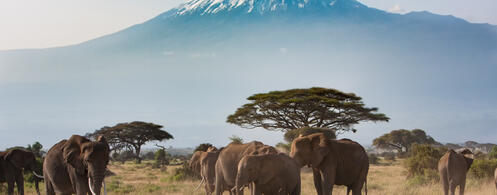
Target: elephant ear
x=17 y=157
x=72 y=153
x=319 y=145
x=468 y=156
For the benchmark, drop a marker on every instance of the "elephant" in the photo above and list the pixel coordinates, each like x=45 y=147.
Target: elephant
x=12 y=163
x=194 y=162
x=271 y=174
x=227 y=163
x=334 y=162
x=76 y=166
x=452 y=168
x=207 y=170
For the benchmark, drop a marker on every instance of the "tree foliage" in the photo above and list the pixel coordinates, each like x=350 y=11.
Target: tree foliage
x=304 y=131
x=297 y=108
x=203 y=147
x=132 y=135
x=401 y=140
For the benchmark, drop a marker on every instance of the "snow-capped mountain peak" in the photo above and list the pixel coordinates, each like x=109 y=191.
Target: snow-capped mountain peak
x=204 y=7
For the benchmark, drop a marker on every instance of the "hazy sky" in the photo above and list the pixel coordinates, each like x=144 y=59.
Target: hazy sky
x=49 y=23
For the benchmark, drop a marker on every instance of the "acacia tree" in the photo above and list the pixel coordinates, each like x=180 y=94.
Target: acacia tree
x=132 y=136
x=401 y=139
x=297 y=108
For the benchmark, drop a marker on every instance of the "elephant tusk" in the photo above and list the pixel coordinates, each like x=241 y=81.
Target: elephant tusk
x=105 y=190
x=39 y=176
x=89 y=185
x=203 y=179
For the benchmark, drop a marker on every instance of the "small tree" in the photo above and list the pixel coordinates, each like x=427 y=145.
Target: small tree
x=235 y=139
x=401 y=140
x=298 y=108
x=132 y=135
x=36 y=149
x=161 y=157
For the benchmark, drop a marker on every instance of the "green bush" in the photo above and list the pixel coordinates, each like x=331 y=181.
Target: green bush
x=373 y=159
x=493 y=153
x=483 y=168
x=389 y=156
x=423 y=160
x=183 y=173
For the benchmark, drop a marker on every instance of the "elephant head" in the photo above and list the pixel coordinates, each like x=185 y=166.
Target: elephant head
x=249 y=169
x=26 y=160
x=468 y=157
x=88 y=158
x=310 y=150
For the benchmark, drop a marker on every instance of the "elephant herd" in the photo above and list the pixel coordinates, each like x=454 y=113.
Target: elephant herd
x=263 y=170
x=78 y=166
x=73 y=166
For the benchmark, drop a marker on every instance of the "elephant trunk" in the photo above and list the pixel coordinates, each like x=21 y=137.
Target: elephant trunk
x=37 y=187
x=95 y=184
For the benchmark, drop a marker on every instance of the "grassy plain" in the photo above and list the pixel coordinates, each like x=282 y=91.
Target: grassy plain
x=387 y=178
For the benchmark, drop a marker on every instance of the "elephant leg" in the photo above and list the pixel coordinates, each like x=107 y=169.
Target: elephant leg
x=20 y=184
x=219 y=187
x=10 y=187
x=48 y=187
x=445 y=182
x=317 y=181
x=452 y=188
x=328 y=180
x=461 y=187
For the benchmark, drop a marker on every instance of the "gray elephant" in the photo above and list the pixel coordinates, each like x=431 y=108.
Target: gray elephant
x=227 y=163
x=271 y=174
x=334 y=162
x=207 y=170
x=194 y=162
x=452 y=168
x=12 y=164
x=76 y=166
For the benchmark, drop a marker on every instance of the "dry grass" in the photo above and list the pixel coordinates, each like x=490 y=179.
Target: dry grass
x=385 y=179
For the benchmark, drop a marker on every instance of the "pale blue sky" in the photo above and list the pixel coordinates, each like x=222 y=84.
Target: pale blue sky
x=49 y=23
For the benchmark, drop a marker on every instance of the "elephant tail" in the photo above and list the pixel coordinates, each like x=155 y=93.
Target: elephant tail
x=297 y=189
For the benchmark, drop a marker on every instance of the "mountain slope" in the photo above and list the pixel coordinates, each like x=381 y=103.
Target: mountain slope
x=191 y=66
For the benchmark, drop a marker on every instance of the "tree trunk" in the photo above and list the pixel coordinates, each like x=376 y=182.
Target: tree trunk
x=137 y=156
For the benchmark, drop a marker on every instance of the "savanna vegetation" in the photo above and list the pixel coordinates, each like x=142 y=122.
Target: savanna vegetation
x=405 y=164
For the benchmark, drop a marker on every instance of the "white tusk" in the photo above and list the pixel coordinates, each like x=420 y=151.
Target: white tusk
x=105 y=190
x=89 y=185
x=199 y=184
x=39 y=176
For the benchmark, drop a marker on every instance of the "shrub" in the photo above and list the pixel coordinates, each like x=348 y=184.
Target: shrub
x=236 y=139
x=389 y=156
x=373 y=159
x=493 y=153
x=483 y=168
x=203 y=147
x=183 y=173
x=423 y=158
x=161 y=158
x=286 y=147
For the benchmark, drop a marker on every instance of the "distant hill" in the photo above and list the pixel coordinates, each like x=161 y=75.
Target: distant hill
x=193 y=65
